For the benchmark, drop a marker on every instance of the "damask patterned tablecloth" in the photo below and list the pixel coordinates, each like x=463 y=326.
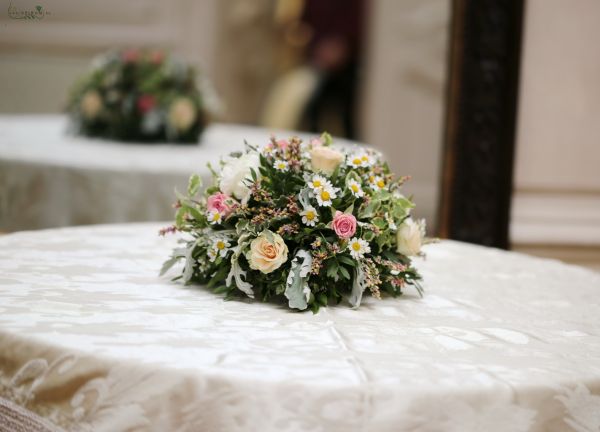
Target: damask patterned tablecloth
x=49 y=178
x=92 y=339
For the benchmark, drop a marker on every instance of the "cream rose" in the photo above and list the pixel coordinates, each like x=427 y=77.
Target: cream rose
x=236 y=173
x=182 y=114
x=410 y=237
x=268 y=252
x=325 y=159
x=91 y=104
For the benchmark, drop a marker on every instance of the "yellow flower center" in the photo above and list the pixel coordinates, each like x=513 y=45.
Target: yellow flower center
x=381 y=184
x=220 y=245
x=356 y=246
x=365 y=158
x=325 y=196
x=371 y=179
x=310 y=215
x=317 y=183
x=356 y=161
x=354 y=187
x=216 y=217
x=281 y=166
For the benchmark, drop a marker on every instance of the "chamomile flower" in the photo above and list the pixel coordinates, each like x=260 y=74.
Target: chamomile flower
x=358 y=247
x=326 y=195
x=310 y=216
x=280 y=165
x=214 y=217
x=367 y=160
x=378 y=183
x=318 y=182
x=355 y=161
x=355 y=189
x=212 y=254
x=220 y=247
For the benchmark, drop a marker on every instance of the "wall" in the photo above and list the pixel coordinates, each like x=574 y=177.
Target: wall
x=557 y=174
x=404 y=94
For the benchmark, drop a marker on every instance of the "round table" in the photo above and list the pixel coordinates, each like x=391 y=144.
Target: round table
x=49 y=178
x=92 y=339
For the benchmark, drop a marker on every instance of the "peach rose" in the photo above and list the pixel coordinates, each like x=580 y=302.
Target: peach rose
x=91 y=104
x=344 y=224
x=325 y=159
x=182 y=114
x=268 y=252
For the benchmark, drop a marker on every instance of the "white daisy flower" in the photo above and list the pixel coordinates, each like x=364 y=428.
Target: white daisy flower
x=280 y=165
x=220 y=247
x=318 y=182
x=358 y=248
x=310 y=216
x=367 y=160
x=214 y=217
x=326 y=195
x=355 y=188
x=212 y=255
x=377 y=183
x=355 y=161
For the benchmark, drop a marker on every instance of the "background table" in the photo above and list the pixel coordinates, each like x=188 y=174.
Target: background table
x=49 y=178
x=92 y=338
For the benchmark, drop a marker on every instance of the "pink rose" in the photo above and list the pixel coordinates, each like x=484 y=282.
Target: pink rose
x=145 y=103
x=220 y=202
x=316 y=142
x=283 y=144
x=344 y=224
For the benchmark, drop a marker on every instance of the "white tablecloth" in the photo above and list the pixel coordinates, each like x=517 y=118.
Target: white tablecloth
x=49 y=178
x=92 y=339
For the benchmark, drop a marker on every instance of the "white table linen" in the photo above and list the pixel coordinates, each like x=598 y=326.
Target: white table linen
x=92 y=339
x=49 y=178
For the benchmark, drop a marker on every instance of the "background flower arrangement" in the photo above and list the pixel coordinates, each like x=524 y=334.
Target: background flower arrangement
x=139 y=95
x=306 y=222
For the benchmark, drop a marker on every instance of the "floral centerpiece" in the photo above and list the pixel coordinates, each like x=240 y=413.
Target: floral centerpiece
x=309 y=223
x=139 y=95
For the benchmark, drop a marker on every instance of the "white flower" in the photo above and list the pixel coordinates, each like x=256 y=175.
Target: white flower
x=359 y=160
x=236 y=175
x=280 y=165
x=214 y=217
x=310 y=216
x=355 y=188
x=219 y=247
x=325 y=159
x=326 y=195
x=318 y=182
x=182 y=114
x=410 y=237
x=377 y=182
x=358 y=247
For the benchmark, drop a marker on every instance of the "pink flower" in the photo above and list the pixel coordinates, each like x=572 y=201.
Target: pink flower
x=316 y=142
x=221 y=202
x=344 y=224
x=130 y=55
x=283 y=144
x=156 y=57
x=145 y=103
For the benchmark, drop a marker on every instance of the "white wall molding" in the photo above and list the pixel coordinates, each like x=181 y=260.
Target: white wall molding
x=555 y=218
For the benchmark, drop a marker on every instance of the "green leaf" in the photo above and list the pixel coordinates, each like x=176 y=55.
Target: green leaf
x=168 y=264
x=346 y=260
x=326 y=139
x=344 y=272
x=194 y=185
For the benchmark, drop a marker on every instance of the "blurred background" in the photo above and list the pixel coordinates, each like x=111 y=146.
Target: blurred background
x=371 y=71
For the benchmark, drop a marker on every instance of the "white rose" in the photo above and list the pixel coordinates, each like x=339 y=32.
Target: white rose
x=91 y=104
x=410 y=237
x=268 y=252
x=236 y=173
x=182 y=114
x=325 y=159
